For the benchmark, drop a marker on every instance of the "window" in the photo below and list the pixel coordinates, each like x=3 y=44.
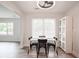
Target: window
x=6 y=28
x=49 y=28
x=37 y=28
x=43 y=27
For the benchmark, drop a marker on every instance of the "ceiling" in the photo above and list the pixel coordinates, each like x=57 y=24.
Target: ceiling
x=31 y=7
x=6 y=13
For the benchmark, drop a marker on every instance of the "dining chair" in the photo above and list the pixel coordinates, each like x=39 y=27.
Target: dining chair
x=32 y=43
x=51 y=44
x=57 y=44
x=42 y=43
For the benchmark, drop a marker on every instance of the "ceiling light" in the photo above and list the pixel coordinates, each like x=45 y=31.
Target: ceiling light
x=45 y=4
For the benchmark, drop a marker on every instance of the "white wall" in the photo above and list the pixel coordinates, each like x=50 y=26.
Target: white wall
x=11 y=6
x=74 y=13
x=16 y=30
x=6 y=13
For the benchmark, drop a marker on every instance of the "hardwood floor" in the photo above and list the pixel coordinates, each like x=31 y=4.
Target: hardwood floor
x=12 y=50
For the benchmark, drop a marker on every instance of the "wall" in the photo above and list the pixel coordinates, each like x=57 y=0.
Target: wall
x=6 y=13
x=16 y=30
x=28 y=23
x=11 y=6
x=74 y=13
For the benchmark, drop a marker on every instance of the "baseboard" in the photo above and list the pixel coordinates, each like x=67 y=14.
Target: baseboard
x=68 y=53
x=72 y=55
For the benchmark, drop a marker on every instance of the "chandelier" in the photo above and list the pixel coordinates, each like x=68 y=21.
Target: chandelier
x=45 y=4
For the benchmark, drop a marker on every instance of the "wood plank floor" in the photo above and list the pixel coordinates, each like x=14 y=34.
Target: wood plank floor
x=13 y=50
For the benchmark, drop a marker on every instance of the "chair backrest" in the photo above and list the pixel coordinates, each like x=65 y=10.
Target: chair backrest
x=30 y=37
x=42 y=42
x=55 y=38
x=42 y=36
x=57 y=42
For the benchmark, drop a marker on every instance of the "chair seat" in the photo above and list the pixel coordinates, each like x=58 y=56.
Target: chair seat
x=50 y=44
x=33 y=41
x=51 y=41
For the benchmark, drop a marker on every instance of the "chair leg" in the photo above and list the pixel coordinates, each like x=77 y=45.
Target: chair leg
x=28 y=50
x=57 y=51
x=30 y=46
x=46 y=51
x=37 y=55
x=38 y=52
x=54 y=47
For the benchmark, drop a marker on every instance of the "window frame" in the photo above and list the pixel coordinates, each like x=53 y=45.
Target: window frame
x=7 y=29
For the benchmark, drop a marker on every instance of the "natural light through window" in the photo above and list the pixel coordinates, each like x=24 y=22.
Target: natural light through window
x=44 y=27
x=6 y=28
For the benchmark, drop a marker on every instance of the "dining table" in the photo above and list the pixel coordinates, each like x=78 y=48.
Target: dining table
x=49 y=40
